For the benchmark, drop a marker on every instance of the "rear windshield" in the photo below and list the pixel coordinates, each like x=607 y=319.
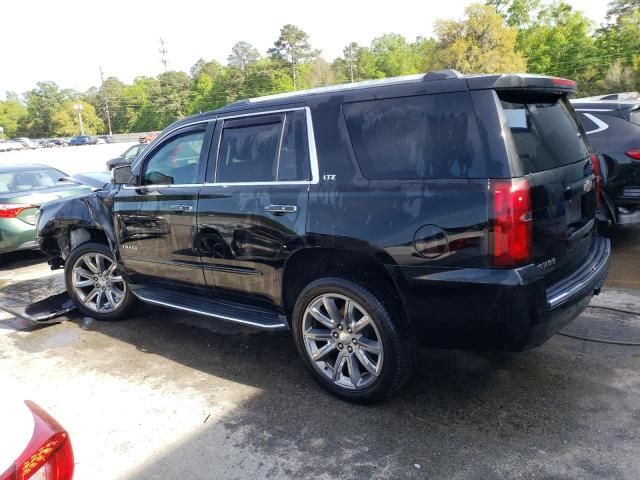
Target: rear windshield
x=429 y=136
x=25 y=181
x=545 y=131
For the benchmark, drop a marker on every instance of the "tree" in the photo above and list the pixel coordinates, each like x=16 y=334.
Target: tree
x=559 y=43
x=481 y=42
x=65 y=122
x=211 y=68
x=393 y=55
x=12 y=112
x=424 y=54
x=350 y=53
x=293 y=48
x=171 y=103
x=622 y=7
x=42 y=102
x=517 y=13
x=242 y=55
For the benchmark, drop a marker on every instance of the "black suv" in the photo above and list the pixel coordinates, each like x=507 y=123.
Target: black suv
x=612 y=123
x=370 y=219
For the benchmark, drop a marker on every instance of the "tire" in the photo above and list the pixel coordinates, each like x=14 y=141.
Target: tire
x=352 y=338
x=113 y=299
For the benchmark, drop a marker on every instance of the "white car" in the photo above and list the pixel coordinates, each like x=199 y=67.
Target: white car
x=10 y=145
x=32 y=444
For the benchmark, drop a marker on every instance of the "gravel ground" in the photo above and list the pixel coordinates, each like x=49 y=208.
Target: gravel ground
x=166 y=395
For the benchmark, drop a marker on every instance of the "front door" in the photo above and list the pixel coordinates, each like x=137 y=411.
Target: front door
x=156 y=219
x=252 y=212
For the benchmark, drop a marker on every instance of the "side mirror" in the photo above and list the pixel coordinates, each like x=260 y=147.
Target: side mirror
x=122 y=175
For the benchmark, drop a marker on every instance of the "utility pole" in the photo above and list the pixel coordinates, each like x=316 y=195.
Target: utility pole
x=163 y=51
x=106 y=102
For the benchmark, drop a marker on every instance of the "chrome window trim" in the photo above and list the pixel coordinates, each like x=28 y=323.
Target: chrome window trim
x=163 y=185
x=311 y=139
x=593 y=109
x=601 y=126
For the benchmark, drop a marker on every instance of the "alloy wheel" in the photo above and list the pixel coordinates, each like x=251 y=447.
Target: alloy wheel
x=342 y=341
x=97 y=283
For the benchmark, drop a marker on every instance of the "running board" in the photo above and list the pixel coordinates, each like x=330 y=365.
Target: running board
x=219 y=309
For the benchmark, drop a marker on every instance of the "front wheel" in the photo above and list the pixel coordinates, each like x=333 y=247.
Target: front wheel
x=350 y=342
x=95 y=284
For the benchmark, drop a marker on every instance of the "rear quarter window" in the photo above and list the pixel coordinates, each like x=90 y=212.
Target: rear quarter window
x=417 y=137
x=545 y=130
x=634 y=116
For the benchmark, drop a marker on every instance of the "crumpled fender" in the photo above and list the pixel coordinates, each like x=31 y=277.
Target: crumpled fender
x=57 y=219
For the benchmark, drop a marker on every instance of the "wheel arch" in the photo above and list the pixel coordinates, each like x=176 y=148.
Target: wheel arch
x=309 y=264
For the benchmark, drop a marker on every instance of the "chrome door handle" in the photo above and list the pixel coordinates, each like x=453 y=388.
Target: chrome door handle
x=180 y=208
x=281 y=209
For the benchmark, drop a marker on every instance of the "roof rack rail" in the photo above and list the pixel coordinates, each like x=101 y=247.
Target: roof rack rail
x=447 y=74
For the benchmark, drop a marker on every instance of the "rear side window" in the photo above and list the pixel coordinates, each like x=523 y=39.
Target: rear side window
x=428 y=136
x=545 y=130
x=265 y=148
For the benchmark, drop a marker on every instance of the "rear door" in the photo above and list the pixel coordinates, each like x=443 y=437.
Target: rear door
x=252 y=211
x=155 y=220
x=555 y=157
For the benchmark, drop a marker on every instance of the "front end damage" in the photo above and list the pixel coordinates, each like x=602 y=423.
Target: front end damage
x=64 y=224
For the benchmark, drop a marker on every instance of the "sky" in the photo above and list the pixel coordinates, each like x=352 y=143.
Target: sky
x=67 y=41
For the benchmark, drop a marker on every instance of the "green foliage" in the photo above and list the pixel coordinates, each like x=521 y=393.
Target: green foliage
x=65 y=121
x=243 y=55
x=538 y=36
x=12 y=112
x=291 y=49
x=42 y=103
x=480 y=43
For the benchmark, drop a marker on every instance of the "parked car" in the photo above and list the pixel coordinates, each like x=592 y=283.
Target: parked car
x=369 y=219
x=60 y=142
x=83 y=140
x=33 y=445
x=612 y=123
x=10 y=145
x=127 y=156
x=23 y=188
x=106 y=138
x=27 y=143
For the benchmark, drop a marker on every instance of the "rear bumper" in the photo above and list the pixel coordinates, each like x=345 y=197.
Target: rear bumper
x=16 y=235
x=497 y=309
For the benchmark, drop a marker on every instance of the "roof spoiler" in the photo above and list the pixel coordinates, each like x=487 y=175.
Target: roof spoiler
x=540 y=83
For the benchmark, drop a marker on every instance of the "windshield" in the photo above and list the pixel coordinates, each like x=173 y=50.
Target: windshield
x=545 y=131
x=27 y=180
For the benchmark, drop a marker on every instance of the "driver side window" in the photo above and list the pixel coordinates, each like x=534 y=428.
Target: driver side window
x=176 y=162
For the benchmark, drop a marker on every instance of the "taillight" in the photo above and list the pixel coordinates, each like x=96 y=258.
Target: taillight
x=564 y=82
x=633 y=153
x=595 y=161
x=512 y=222
x=48 y=456
x=12 y=210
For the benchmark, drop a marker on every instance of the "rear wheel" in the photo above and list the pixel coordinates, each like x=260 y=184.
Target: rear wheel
x=350 y=342
x=95 y=284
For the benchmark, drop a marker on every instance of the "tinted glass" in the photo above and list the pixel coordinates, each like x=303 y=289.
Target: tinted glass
x=635 y=116
x=294 y=154
x=430 y=136
x=587 y=123
x=545 y=131
x=176 y=161
x=25 y=181
x=249 y=152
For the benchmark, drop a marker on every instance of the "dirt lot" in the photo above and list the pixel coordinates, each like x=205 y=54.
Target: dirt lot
x=166 y=395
